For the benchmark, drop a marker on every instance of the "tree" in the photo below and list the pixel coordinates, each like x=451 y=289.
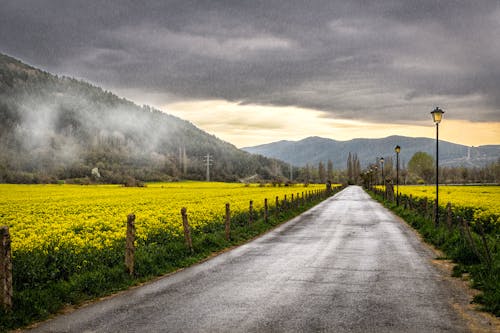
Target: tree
x=306 y=174
x=349 y=169
x=422 y=165
x=353 y=168
x=329 y=170
x=321 y=172
x=357 y=167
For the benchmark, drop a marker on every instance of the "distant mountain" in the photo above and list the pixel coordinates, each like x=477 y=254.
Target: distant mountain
x=60 y=128
x=312 y=150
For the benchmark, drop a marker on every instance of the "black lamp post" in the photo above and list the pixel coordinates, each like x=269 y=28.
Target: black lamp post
x=382 y=164
x=370 y=178
x=397 y=149
x=437 y=116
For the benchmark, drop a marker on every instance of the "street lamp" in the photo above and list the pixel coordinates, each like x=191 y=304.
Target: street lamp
x=370 y=178
x=382 y=164
x=397 y=149
x=437 y=116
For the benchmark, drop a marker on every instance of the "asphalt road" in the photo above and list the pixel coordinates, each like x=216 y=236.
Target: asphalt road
x=346 y=265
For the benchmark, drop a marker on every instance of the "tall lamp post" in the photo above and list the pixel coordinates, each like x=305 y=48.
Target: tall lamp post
x=397 y=149
x=437 y=116
x=370 y=178
x=382 y=165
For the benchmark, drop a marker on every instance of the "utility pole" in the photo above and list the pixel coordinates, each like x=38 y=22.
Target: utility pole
x=208 y=161
x=184 y=161
x=180 y=159
x=291 y=172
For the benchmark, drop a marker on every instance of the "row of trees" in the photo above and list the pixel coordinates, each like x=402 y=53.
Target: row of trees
x=111 y=168
x=421 y=170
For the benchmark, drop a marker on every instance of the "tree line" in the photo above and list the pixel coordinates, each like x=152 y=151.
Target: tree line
x=421 y=169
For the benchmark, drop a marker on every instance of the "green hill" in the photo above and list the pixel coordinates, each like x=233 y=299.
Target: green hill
x=54 y=128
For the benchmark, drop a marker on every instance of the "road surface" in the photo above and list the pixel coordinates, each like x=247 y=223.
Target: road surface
x=347 y=265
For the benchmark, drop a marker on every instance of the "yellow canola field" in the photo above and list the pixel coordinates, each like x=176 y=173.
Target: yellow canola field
x=48 y=216
x=486 y=199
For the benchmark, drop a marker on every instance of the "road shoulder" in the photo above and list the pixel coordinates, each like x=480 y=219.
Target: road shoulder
x=462 y=293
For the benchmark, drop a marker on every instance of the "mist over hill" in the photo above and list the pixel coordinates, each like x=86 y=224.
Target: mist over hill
x=312 y=150
x=60 y=128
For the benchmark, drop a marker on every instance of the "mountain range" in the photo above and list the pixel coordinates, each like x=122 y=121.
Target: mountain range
x=312 y=150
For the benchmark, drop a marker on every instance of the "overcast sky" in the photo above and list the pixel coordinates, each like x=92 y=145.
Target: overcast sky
x=255 y=71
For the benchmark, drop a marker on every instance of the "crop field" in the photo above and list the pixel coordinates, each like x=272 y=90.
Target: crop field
x=484 y=199
x=68 y=241
x=43 y=217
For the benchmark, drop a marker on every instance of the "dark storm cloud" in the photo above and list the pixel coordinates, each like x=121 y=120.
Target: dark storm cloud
x=367 y=60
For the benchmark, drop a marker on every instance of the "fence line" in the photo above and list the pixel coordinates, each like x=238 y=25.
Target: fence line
x=6 y=289
x=451 y=219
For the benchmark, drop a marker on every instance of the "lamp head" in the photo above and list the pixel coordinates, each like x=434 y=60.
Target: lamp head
x=437 y=115
x=397 y=149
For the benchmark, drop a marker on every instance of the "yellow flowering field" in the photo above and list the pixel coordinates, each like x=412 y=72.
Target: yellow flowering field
x=48 y=216
x=485 y=198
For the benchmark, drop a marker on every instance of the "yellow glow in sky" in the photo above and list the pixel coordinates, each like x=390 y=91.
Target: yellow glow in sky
x=250 y=125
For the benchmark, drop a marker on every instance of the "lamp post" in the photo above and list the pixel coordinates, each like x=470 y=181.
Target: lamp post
x=437 y=116
x=397 y=149
x=370 y=173
x=382 y=165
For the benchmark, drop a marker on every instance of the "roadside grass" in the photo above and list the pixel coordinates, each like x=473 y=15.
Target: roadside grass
x=474 y=248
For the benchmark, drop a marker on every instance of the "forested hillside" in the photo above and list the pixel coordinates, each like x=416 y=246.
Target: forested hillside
x=58 y=128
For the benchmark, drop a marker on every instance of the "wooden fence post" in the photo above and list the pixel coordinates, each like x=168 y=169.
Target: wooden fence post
x=187 y=230
x=487 y=250
x=250 y=213
x=389 y=191
x=130 y=247
x=449 y=216
x=5 y=269
x=228 y=222
x=265 y=211
x=470 y=239
x=277 y=205
x=292 y=202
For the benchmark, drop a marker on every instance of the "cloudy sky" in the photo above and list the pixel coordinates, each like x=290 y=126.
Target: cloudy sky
x=256 y=71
